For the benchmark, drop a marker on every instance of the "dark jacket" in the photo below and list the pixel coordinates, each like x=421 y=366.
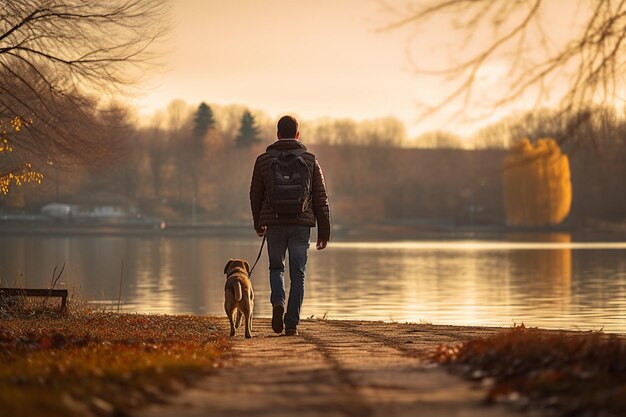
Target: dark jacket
x=319 y=209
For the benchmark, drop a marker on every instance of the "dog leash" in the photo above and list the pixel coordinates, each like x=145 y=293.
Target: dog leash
x=259 y=255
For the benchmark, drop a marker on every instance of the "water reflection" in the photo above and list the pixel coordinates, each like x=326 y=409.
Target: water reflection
x=544 y=275
x=468 y=282
x=541 y=280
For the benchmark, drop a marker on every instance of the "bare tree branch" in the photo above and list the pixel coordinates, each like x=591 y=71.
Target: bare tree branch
x=589 y=63
x=59 y=59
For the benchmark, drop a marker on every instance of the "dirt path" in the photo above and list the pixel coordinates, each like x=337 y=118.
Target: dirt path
x=335 y=368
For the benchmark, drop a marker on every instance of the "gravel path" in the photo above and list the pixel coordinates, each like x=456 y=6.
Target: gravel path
x=335 y=368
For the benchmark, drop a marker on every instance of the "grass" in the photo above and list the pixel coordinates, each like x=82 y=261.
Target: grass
x=570 y=374
x=103 y=363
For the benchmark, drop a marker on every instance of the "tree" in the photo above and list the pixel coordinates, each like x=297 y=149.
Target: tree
x=537 y=185
x=121 y=174
x=385 y=131
x=438 y=139
x=155 y=142
x=54 y=52
x=179 y=115
x=248 y=131
x=584 y=67
x=203 y=121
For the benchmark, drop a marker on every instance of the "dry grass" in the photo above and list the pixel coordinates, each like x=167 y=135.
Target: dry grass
x=572 y=374
x=102 y=363
x=24 y=307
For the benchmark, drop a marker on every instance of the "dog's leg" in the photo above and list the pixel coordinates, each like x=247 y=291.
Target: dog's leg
x=238 y=320
x=249 y=325
x=248 y=314
x=232 y=322
x=229 y=306
x=250 y=317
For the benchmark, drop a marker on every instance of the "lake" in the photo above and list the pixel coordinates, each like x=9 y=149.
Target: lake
x=541 y=280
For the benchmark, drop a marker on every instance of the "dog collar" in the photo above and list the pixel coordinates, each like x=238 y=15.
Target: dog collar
x=238 y=272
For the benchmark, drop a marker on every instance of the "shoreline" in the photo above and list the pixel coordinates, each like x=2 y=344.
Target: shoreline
x=372 y=366
x=385 y=231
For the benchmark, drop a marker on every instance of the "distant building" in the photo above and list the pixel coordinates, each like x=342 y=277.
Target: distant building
x=110 y=213
x=60 y=211
x=90 y=213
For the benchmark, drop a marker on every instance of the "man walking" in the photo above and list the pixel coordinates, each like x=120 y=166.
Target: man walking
x=288 y=196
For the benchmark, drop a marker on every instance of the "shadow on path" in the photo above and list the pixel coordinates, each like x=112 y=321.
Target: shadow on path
x=334 y=368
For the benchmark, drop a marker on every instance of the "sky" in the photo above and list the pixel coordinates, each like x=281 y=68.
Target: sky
x=310 y=58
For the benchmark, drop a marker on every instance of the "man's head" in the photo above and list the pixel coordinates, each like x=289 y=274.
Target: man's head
x=288 y=128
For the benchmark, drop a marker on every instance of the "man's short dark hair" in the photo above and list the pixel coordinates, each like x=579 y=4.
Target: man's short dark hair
x=287 y=127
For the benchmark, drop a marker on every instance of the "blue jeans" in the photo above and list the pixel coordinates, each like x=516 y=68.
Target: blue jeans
x=295 y=238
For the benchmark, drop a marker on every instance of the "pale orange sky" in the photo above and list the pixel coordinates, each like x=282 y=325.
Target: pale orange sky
x=312 y=58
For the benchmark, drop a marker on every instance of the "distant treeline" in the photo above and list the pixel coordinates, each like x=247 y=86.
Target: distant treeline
x=196 y=164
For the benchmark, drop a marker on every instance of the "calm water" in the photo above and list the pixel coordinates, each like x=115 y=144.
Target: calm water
x=551 y=283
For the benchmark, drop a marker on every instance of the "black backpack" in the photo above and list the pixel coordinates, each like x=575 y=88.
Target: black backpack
x=288 y=182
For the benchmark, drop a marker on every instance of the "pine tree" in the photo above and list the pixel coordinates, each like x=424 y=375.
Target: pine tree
x=203 y=120
x=248 y=131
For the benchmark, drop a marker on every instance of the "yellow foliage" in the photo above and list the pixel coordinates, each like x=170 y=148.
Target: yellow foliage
x=537 y=185
x=5 y=145
x=23 y=174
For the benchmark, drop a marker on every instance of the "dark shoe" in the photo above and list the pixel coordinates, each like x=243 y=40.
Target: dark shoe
x=291 y=332
x=277 y=318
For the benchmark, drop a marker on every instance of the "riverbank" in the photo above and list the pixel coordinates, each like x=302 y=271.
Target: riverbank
x=85 y=364
x=407 y=229
x=149 y=365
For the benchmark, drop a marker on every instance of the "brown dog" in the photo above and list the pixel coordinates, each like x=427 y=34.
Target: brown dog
x=238 y=294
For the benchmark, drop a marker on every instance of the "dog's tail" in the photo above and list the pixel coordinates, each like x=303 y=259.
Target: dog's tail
x=237 y=288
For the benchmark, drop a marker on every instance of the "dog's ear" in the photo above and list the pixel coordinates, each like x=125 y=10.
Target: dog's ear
x=247 y=266
x=228 y=266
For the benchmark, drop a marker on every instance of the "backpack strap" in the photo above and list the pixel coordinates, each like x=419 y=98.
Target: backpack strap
x=296 y=152
x=274 y=153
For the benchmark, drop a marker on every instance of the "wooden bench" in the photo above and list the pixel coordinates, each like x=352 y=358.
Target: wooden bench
x=36 y=292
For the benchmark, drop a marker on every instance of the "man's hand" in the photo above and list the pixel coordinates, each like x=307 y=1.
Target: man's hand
x=321 y=244
x=261 y=232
